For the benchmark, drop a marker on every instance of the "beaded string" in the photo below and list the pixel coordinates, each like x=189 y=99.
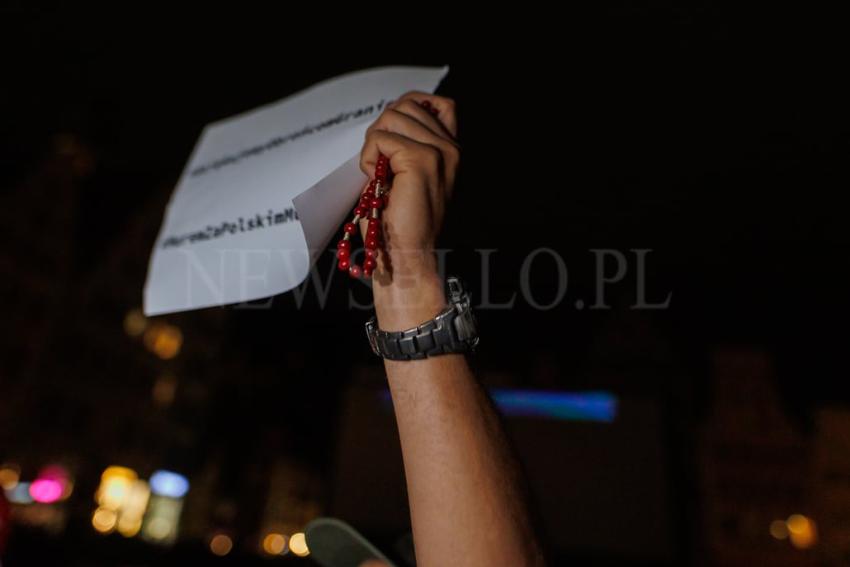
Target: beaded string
x=374 y=198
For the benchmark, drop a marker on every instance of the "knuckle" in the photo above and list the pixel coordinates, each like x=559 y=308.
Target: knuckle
x=387 y=119
x=373 y=126
x=379 y=122
x=372 y=134
x=409 y=105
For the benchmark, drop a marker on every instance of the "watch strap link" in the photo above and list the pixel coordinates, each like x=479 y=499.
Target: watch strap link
x=436 y=336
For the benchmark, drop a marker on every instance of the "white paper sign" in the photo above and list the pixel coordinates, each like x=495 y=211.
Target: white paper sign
x=232 y=232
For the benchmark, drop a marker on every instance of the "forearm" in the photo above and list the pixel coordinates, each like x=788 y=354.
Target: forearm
x=466 y=501
x=464 y=487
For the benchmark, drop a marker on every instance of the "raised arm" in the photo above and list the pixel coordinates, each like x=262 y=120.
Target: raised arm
x=466 y=499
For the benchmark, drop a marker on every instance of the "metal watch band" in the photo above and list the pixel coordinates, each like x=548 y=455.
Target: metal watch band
x=453 y=330
x=428 y=339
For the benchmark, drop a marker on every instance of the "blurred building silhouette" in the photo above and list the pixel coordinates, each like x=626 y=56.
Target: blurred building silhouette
x=830 y=483
x=758 y=486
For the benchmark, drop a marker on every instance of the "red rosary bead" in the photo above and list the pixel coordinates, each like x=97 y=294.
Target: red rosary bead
x=374 y=198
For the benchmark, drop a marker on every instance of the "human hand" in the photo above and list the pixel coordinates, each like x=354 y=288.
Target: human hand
x=417 y=134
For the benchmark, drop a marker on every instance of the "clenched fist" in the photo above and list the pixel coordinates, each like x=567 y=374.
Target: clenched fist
x=423 y=156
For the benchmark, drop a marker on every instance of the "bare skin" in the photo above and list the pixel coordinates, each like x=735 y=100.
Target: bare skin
x=466 y=499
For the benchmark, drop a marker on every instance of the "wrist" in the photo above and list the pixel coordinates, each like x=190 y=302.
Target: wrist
x=415 y=328
x=408 y=295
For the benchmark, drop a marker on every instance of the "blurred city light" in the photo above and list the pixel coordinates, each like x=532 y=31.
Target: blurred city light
x=135 y=323
x=129 y=526
x=133 y=508
x=122 y=499
x=164 y=390
x=274 y=544
x=221 y=544
x=779 y=529
x=157 y=529
x=167 y=483
x=46 y=490
x=52 y=484
x=166 y=504
x=162 y=519
x=20 y=494
x=163 y=340
x=115 y=483
x=103 y=520
x=566 y=406
x=802 y=531
x=570 y=406
x=298 y=545
x=9 y=476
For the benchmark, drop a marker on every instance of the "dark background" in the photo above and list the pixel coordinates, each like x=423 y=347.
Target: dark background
x=715 y=138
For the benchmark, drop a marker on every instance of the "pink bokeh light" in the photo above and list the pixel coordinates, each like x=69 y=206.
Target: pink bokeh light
x=46 y=490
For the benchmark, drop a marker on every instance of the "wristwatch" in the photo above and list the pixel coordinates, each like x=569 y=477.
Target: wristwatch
x=453 y=330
